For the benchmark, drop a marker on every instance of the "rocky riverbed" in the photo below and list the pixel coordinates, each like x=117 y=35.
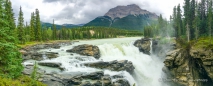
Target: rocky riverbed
x=83 y=78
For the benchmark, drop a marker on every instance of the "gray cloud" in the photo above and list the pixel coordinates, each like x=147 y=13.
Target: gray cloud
x=83 y=11
x=49 y=1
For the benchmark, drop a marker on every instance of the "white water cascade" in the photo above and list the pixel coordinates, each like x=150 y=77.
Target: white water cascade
x=148 y=69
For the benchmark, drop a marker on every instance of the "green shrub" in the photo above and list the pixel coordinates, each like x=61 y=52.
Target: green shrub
x=20 y=81
x=10 y=60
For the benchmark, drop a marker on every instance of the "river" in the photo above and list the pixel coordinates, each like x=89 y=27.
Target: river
x=148 y=68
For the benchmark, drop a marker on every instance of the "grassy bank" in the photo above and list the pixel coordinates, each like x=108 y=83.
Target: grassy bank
x=203 y=42
x=27 y=44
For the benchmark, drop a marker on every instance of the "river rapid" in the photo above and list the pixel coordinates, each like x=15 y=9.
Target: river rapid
x=148 y=68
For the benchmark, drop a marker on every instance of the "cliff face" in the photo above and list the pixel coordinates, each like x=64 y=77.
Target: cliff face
x=123 y=11
x=205 y=59
x=193 y=67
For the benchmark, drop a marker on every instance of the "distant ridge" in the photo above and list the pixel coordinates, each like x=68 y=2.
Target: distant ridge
x=130 y=17
x=123 y=11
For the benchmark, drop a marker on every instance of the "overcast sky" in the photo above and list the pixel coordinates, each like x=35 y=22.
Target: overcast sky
x=83 y=11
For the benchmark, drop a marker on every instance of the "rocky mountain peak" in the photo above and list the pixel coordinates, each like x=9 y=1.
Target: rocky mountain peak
x=123 y=11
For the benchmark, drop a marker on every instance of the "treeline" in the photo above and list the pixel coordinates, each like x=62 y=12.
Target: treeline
x=87 y=32
x=35 y=32
x=196 y=21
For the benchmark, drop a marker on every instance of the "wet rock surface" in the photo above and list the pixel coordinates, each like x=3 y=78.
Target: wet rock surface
x=86 y=50
x=78 y=79
x=82 y=79
x=55 y=77
x=123 y=65
x=143 y=45
x=31 y=52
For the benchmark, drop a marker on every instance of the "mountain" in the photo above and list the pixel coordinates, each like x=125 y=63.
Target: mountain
x=44 y=24
x=130 y=17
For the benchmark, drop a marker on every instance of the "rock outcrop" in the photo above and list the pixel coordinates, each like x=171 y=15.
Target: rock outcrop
x=86 y=50
x=205 y=59
x=143 y=45
x=123 y=65
x=191 y=67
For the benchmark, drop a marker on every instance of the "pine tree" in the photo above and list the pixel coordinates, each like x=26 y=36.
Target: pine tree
x=32 y=27
x=202 y=9
x=10 y=15
x=179 y=22
x=37 y=26
x=191 y=19
x=21 y=27
x=175 y=23
x=187 y=11
x=196 y=23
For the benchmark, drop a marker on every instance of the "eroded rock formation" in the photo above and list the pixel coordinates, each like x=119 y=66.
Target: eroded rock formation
x=143 y=45
x=86 y=50
x=192 y=67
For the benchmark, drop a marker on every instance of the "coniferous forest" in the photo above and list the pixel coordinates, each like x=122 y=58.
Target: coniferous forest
x=193 y=22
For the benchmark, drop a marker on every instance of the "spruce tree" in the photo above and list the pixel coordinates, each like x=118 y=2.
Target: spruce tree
x=187 y=11
x=203 y=19
x=10 y=15
x=179 y=22
x=21 y=27
x=196 y=23
x=37 y=26
x=191 y=18
x=32 y=27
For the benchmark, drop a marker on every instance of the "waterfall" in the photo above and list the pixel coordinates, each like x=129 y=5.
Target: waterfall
x=147 y=69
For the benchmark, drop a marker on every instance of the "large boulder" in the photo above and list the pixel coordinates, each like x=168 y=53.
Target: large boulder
x=51 y=55
x=123 y=65
x=86 y=50
x=143 y=45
